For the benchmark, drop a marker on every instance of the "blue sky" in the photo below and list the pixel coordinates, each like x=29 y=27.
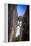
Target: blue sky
x=21 y=9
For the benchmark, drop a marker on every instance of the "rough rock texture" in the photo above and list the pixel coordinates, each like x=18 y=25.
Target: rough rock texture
x=12 y=22
x=25 y=24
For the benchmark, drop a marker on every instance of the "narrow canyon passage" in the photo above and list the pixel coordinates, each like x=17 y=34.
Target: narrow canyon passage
x=18 y=29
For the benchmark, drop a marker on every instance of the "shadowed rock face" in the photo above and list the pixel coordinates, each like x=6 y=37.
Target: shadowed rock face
x=12 y=22
x=25 y=24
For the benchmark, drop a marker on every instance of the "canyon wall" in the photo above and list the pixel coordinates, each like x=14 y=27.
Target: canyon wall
x=12 y=22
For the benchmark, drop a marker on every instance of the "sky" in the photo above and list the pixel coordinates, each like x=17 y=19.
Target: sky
x=21 y=9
